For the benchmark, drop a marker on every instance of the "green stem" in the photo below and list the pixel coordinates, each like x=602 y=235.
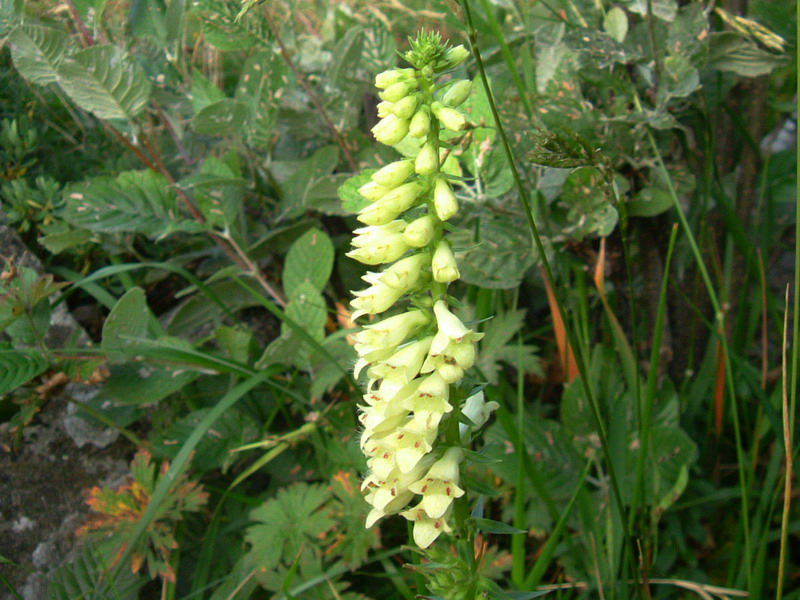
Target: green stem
x=600 y=429
x=719 y=319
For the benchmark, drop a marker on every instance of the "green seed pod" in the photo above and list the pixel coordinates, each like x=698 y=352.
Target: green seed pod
x=420 y=123
x=404 y=109
x=457 y=93
x=427 y=161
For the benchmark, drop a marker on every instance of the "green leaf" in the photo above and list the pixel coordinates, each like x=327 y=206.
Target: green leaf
x=18 y=367
x=499 y=345
x=37 y=51
x=731 y=51
x=616 y=24
x=293 y=519
x=320 y=164
x=105 y=81
x=204 y=91
x=138 y=383
x=490 y=526
x=352 y=201
x=663 y=9
x=135 y=202
x=346 y=59
x=64 y=240
x=90 y=576
x=307 y=308
x=501 y=258
x=310 y=260
x=127 y=321
x=380 y=49
x=231 y=430
x=680 y=78
x=262 y=83
x=223 y=117
x=588 y=210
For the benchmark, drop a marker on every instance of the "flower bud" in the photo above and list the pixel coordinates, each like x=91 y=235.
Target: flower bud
x=404 y=109
x=385 y=249
x=444 y=200
x=391 y=205
x=392 y=76
x=375 y=234
x=390 y=130
x=405 y=363
x=477 y=410
x=443 y=265
x=405 y=273
x=455 y=56
x=427 y=161
x=375 y=299
x=420 y=123
x=398 y=91
x=449 y=117
x=394 y=174
x=373 y=191
x=385 y=109
x=419 y=232
x=457 y=93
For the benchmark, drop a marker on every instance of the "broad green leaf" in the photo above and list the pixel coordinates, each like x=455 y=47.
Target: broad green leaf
x=380 y=49
x=497 y=527
x=135 y=202
x=310 y=260
x=346 y=59
x=204 y=91
x=498 y=257
x=616 y=24
x=262 y=83
x=588 y=211
x=307 y=308
x=173 y=23
x=233 y=429
x=223 y=117
x=37 y=51
x=127 y=321
x=138 y=383
x=733 y=52
x=225 y=32
x=352 y=201
x=64 y=240
x=320 y=164
x=499 y=344
x=18 y=367
x=105 y=81
x=294 y=518
x=663 y=9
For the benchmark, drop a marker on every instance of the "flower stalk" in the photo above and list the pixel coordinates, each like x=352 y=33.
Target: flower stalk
x=415 y=360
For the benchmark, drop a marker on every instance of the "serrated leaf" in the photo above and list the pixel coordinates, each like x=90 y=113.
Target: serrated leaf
x=501 y=258
x=37 y=51
x=105 y=81
x=219 y=118
x=294 y=518
x=307 y=308
x=310 y=259
x=64 y=240
x=352 y=201
x=134 y=202
x=18 y=367
x=88 y=577
x=127 y=321
x=498 y=345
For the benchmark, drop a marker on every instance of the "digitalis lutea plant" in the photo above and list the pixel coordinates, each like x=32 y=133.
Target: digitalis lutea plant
x=414 y=360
